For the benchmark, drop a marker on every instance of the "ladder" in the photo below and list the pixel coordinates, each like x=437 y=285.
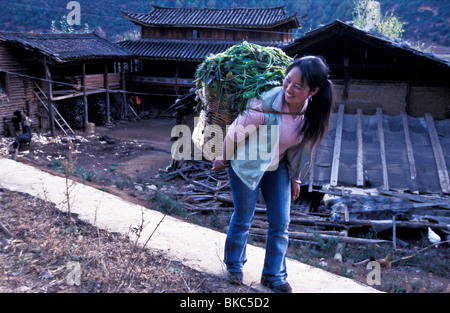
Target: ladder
x=59 y=120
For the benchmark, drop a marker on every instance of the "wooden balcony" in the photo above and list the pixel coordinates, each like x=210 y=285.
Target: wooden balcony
x=72 y=86
x=161 y=81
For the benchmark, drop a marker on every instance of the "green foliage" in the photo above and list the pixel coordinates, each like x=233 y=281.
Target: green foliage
x=367 y=14
x=242 y=72
x=167 y=205
x=390 y=26
x=65 y=28
x=86 y=175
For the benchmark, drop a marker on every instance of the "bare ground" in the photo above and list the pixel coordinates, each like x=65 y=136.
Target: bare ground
x=39 y=257
x=44 y=240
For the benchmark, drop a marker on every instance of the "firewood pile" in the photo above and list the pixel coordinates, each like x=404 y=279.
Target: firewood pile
x=343 y=215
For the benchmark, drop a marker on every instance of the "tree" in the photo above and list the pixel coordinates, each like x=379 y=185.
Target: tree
x=367 y=15
x=390 y=26
x=65 y=28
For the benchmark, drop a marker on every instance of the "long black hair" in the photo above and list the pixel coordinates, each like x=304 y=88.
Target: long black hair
x=315 y=73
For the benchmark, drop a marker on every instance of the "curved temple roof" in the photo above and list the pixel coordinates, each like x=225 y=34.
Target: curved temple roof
x=204 y=17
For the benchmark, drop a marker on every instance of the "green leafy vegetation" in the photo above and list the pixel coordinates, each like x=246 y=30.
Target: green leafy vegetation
x=242 y=72
x=367 y=14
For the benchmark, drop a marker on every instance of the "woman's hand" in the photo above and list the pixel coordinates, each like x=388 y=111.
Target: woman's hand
x=218 y=165
x=295 y=190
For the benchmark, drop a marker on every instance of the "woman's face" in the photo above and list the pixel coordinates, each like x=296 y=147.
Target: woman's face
x=295 y=93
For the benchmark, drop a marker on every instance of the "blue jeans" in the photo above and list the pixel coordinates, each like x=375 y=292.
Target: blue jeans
x=275 y=187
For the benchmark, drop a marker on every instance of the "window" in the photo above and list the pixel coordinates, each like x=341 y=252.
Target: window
x=195 y=34
x=3 y=83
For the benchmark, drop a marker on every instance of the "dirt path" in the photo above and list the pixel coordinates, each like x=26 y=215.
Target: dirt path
x=194 y=246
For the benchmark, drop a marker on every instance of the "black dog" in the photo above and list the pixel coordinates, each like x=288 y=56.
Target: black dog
x=19 y=142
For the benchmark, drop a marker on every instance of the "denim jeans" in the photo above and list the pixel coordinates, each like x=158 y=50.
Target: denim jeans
x=275 y=187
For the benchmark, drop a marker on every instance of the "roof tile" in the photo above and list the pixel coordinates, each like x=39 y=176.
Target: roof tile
x=202 y=17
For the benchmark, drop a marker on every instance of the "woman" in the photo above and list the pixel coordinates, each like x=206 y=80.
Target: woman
x=292 y=118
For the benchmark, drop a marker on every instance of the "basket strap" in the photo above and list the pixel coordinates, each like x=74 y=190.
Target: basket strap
x=276 y=112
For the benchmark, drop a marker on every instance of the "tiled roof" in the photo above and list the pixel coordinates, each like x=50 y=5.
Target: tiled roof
x=68 y=47
x=367 y=36
x=203 y=17
x=185 y=50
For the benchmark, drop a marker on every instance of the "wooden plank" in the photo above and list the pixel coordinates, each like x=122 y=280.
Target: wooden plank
x=48 y=80
x=337 y=147
x=85 y=103
x=124 y=96
x=360 y=153
x=311 y=170
x=438 y=155
x=106 y=82
x=394 y=232
x=382 y=149
x=409 y=149
x=409 y=153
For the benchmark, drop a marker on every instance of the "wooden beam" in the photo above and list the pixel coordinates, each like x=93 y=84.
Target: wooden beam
x=360 y=152
x=382 y=148
x=78 y=94
x=394 y=232
x=108 y=112
x=49 y=97
x=337 y=147
x=124 y=96
x=438 y=155
x=409 y=153
x=346 y=70
x=311 y=236
x=311 y=170
x=86 y=117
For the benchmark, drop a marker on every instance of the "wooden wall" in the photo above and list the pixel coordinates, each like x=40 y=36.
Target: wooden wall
x=279 y=34
x=19 y=94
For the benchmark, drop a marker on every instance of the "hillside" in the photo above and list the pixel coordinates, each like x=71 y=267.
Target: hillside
x=425 y=20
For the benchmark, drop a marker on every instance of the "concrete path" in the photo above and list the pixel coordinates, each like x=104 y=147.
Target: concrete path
x=195 y=246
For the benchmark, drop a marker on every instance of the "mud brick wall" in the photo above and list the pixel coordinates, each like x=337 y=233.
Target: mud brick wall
x=391 y=97
x=433 y=100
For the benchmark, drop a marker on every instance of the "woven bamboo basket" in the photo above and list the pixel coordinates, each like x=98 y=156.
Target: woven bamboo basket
x=212 y=124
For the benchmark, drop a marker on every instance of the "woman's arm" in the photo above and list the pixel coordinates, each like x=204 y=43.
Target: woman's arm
x=295 y=190
x=220 y=164
x=241 y=127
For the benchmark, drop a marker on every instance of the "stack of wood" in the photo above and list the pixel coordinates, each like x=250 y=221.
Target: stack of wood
x=207 y=192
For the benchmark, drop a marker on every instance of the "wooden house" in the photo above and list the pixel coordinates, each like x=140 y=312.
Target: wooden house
x=371 y=71
x=391 y=128
x=176 y=40
x=76 y=65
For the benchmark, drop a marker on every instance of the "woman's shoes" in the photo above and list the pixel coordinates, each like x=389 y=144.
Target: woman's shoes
x=284 y=288
x=237 y=278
